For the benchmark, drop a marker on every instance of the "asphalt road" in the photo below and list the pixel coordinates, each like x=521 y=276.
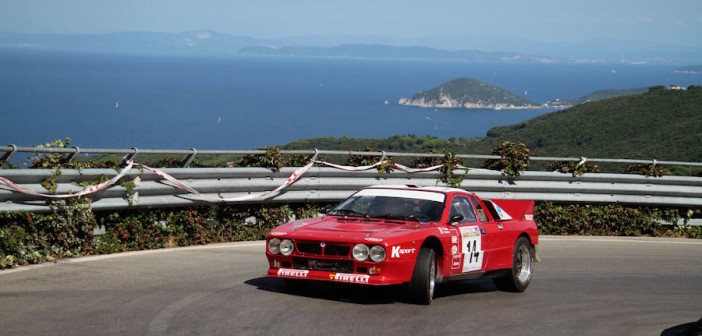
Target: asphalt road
x=582 y=286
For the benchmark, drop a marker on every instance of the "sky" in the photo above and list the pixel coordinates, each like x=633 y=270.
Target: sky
x=493 y=25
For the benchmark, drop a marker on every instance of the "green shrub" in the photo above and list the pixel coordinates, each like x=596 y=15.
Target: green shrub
x=647 y=170
x=610 y=220
x=514 y=158
x=573 y=167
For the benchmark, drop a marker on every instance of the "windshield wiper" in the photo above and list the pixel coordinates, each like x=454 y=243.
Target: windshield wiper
x=393 y=216
x=348 y=212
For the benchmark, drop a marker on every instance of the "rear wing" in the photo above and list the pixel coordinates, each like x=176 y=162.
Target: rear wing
x=504 y=210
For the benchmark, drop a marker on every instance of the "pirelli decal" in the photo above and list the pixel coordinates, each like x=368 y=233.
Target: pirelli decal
x=293 y=273
x=350 y=278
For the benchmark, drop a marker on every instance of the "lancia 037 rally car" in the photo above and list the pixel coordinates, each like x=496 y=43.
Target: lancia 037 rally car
x=405 y=235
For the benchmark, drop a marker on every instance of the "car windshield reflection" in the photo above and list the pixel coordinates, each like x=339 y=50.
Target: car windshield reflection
x=420 y=210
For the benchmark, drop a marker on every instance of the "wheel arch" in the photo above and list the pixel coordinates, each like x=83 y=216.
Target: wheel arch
x=533 y=246
x=435 y=244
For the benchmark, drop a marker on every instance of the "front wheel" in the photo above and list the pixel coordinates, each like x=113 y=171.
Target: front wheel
x=421 y=286
x=519 y=277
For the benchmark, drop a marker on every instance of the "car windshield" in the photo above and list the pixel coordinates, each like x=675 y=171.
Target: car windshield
x=389 y=207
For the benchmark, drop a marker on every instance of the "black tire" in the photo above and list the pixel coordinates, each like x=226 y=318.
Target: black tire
x=519 y=277
x=421 y=287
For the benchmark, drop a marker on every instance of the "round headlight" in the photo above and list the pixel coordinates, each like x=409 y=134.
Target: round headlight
x=286 y=247
x=274 y=246
x=360 y=252
x=377 y=253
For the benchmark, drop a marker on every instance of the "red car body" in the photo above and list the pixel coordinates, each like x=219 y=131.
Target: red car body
x=323 y=248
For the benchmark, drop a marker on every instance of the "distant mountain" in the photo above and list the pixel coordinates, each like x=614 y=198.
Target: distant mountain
x=596 y=96
x=207 y=42
x=663 y=123
x=394 y=52
x=202 y=42
x=470 y=94
x=692 y=69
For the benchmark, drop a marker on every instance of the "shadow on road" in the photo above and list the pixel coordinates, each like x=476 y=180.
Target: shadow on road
x=687 y=329
x=464 y=287
x=368 y=295
x=331 y=291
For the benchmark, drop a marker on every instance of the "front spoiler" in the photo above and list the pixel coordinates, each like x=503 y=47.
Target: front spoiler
x=353 y=278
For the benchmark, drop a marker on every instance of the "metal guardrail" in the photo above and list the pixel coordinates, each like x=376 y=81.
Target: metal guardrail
x=190 y=154
x=332 y=185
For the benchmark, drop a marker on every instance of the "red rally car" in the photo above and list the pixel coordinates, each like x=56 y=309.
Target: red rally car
x=392 y=235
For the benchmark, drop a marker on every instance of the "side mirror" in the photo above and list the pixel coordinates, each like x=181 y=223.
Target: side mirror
x=455 y=219
x=327 y=208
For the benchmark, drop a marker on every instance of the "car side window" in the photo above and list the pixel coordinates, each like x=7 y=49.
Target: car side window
x=461 y=206
x=479 y=209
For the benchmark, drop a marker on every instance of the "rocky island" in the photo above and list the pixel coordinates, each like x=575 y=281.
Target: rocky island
x=469 y=93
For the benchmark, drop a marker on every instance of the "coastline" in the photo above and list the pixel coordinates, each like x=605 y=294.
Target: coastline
x=453 y=104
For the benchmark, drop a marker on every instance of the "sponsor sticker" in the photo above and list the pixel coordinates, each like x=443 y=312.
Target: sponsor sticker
x=397 y=251
x=278 y=233
x=471 y=248
x=456 y=264
x=350 y=278
x=454 y=240
x=529 y=217
x=375 y=240
x=293 y=273
x=454 y=249
x=444 y=231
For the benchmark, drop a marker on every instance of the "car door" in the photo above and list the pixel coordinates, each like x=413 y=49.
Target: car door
x=471 y=236
x=494 y=234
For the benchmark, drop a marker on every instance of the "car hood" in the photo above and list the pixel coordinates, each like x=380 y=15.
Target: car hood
x=351 y=229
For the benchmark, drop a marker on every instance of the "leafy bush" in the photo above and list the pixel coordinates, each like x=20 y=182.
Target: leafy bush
x=514 y=158
x=67 y=231
x=273 y=159
x=647 y=170
x=573 y=167
x=368 y=160
x=449 y=162
x=611 y=220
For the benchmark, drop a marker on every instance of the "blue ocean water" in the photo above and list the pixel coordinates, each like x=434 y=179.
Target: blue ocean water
x=122 y=101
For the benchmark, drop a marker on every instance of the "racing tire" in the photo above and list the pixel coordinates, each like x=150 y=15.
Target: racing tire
x=423 y=282
x=519 y=277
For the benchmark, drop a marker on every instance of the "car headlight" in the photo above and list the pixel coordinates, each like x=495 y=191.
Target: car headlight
x=377 y=253
x=286 y=247
x=360 y=252
x=274 y=246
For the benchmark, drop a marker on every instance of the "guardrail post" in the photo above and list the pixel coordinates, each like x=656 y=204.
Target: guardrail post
x=189 y=158
x=68 y=157
x=130 y=156
x=9 y=154
x=316 y=154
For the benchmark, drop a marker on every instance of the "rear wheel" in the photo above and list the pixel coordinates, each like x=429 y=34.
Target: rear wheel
x=421 y=287
x=519 y=277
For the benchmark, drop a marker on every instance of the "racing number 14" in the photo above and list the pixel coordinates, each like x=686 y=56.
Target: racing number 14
x=471 y=249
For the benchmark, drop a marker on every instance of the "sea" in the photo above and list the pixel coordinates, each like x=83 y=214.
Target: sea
x=176 y=102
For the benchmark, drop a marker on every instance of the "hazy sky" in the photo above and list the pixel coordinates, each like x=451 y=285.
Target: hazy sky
x=660 y=21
